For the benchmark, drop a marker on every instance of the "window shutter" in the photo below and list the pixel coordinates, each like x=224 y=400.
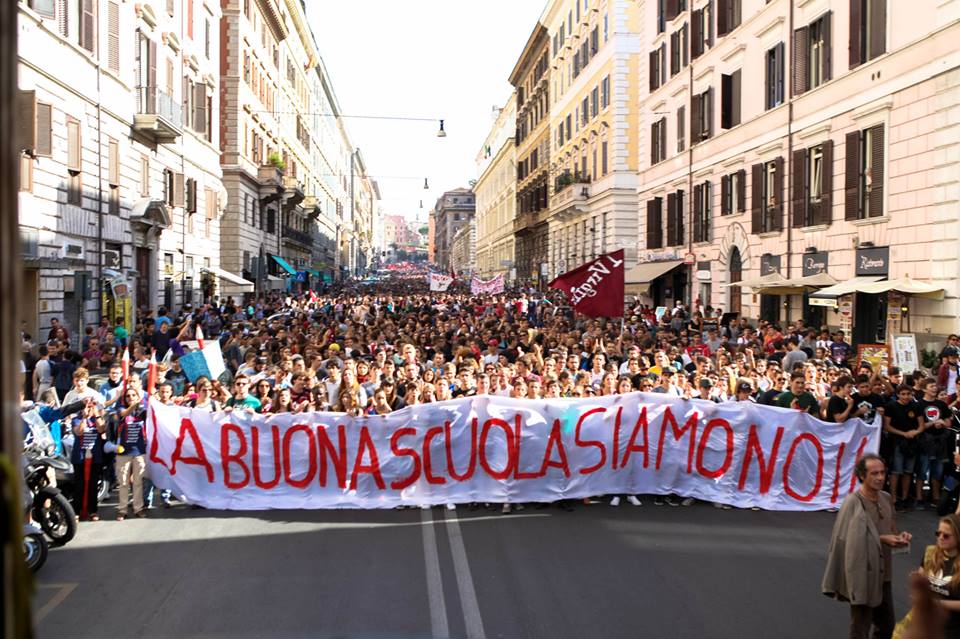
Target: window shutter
x=653 y=223
x=707 y=211
x=798 y=187
x=63 y=18
x=878 y=28
x=801 y=48
x=697 y=212
x=708 y=113
x=725 y=195
x=726 y=101
x=190 y=19
x=113 y=37
x=663 y=138
x=825 y=209
x=695 y=107
x=210 y=205
x=856 y=18
x=662 y=63
x=152 y=71
x=673 y=9
x=826 y=71
x=88 y=25
x=876 y=182
x=708 y=22
x=654 y=74
x=674 y=53
x=144 y=176
x=696 y=43
x=654 y=141
x=178 y=190
x=200 y=108
x=756 y=200
x=742 y=191
x=723 y=7
x=44 y=129
x=778 y=194
x=192 y=192
x=74 y=159
x=170 y=4
x=737 y=99
x=852 y=177
x=672 y=219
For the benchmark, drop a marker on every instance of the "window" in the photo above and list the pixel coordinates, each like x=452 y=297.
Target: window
x=658 y=141
x=675 y=219
x=811 y=55
x=702 y=194
x=191 y=195
x=868 y=30
x=594 y=102
x=74 y=163
x=774 y=77
x=812 y=185
x=206 y=38
x=144 y=176
x=679 y=55
x=585 y=111
x=46 y=8
x=681 y=129
x=658 y=66
x=733 y=193
x=655 y=223
x=271 y=221
x=702 y=31
x=603 y=156
x=605 y=92
x=26 y=172
x=594 y=41
x=569 y=127
x=44 y=130
x=864 y=174
x=661 y=16
x=88 y=25
x=606 y=30
x=767 y=194
x=730 y=100
x=113 y=175
x=728 y=16
x=701 y=116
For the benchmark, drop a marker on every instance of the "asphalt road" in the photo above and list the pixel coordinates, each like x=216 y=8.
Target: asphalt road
x=596 y=572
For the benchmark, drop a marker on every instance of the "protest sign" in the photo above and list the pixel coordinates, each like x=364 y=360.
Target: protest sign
x=204 y=363
x=493 y=286
x=496 y=449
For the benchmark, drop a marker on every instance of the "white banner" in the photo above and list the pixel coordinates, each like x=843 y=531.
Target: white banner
x=493 y=286
x=439 y=282
x=495 y=449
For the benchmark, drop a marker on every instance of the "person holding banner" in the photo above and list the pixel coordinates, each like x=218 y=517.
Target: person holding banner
x=241 y=399
x=204 y=399
x=89 y=427
x=129 y=443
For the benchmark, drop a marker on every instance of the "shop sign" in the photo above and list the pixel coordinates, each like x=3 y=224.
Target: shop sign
x=815 y=263
x=873 y=261
x=769 y=264
x=703 y=271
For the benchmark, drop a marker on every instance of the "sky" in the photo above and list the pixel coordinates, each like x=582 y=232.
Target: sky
x=437 y=59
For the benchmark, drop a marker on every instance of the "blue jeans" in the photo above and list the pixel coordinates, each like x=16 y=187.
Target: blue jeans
x=148 y=489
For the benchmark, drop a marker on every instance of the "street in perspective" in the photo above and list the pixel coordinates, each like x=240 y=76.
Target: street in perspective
x=630 y=318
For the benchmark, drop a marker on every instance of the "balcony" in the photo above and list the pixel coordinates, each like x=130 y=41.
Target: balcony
x=570 y=194
x=300 y=237
x=269 y=175
x=158 y=115
x=293 y=193
x=524 y=222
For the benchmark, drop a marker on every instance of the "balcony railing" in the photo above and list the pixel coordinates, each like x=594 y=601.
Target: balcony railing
x=569 y=178
x=571 y=191
x=290 y=233
x=158 y=114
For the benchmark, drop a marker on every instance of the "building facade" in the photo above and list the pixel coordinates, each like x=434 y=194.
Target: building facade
x=463 y=250
x=595 y=60
x=496 y=200
x=121 y=191
x=843 y=168
x=531 y=81
x=452 y=211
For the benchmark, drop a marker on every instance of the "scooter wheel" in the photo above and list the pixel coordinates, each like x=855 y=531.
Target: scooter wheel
x=52 y=510
x=35 y=549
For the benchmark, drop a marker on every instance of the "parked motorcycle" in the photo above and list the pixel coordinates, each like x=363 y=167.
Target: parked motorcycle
x=35 y=547
x=50 y=508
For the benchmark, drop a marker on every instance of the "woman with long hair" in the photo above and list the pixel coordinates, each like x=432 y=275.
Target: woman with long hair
x=941 y=567
x=283 y=402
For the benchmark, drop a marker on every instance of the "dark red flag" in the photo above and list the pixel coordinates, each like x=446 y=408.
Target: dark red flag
x=595 y=288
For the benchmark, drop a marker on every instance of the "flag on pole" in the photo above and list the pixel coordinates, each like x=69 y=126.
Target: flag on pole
x=200 y=337
x=152 y=373
x=596 y=288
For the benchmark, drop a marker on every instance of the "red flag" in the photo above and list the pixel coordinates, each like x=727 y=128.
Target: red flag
x=199 y=337
x=595 y=288
x=152 y=373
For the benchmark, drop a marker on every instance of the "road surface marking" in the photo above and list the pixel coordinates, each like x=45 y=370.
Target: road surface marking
x=438 y=608
x=468 y=595
x=57 y=599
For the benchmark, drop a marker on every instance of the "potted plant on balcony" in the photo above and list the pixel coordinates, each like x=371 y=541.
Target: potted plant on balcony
x=276 y=160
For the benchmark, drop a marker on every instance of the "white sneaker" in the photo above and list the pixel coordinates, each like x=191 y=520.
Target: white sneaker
x=633 y=500
x=451 y=506
x=615 y=501
x=687 y=501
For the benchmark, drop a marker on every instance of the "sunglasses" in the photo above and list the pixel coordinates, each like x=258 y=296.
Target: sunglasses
x=944 y=535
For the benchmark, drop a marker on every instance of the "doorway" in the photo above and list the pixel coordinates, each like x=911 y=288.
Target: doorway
x=736 y=275
x=869 y=319
x=770 y=308
x=143 y=277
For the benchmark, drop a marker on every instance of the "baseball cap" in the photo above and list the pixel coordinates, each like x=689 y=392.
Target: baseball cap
x=744 y=387
x=951 y=351
x=493 y=342
x=335 y=347
x=706 y=383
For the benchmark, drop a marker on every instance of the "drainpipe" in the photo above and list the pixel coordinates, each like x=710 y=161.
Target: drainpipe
x=100 y=288
x=689 y=194
x=789 y=218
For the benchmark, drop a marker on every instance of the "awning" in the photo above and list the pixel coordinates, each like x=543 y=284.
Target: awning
x=284 y=264
x=230 y=282
x=799 y=285
x=637 y=280
x=845 y=288
x=274 y=283
x=907 y=286
x=313 y=272
x=769 y=280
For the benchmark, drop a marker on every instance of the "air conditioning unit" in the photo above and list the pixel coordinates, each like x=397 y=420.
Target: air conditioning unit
x=72 y=251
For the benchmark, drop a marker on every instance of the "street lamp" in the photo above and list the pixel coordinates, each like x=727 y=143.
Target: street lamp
x=426 y=185
x=441 y=133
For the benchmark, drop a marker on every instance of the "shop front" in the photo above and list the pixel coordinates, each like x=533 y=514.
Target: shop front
x=662 y=283
x=815 y=264
x=770 y=304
